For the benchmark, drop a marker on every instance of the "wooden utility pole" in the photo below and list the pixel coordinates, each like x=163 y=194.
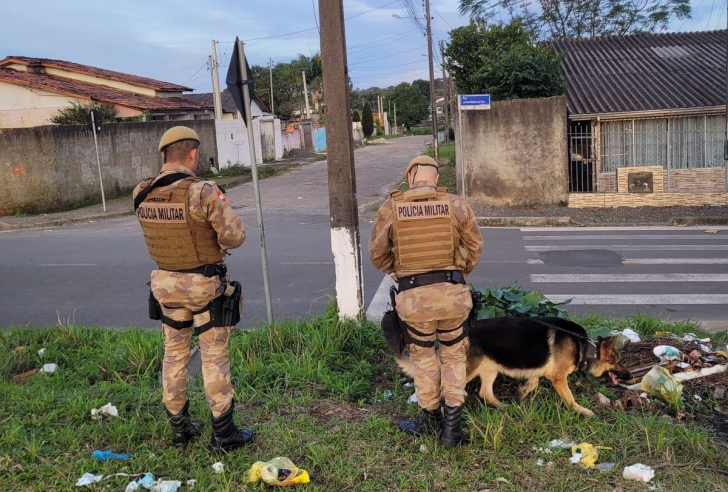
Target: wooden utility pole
x=446 y=90
x=433 y=97
x=343 y=208
x=216 y=96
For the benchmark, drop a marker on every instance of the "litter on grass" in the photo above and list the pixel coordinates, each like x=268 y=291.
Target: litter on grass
x=278 y=471
x=41 y=352
x=108 y=455
x=639 y=472
x=218 y=467
x=48 y=368
x=660 y=382
x=586 y=454
x=88 y=479
x=413 y=398
x=108 y=409
x=560 y=443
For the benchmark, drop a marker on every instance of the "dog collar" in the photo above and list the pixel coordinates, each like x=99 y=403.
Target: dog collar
x=589 y=352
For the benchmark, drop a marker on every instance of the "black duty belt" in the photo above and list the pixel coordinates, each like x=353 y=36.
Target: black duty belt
x=211 y=270
x=429 y=278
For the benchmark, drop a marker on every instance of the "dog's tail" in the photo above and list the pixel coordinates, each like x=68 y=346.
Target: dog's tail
x=404 y=363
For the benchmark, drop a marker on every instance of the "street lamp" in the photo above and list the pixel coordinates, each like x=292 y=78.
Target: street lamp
x=433 y=104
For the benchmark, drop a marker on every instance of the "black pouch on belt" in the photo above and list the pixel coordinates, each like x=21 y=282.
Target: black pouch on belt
x=155 y=312
x=391 y=325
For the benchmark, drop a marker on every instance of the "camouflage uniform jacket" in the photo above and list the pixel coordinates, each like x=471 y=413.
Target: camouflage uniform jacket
x=437 y=301
x=207 y=203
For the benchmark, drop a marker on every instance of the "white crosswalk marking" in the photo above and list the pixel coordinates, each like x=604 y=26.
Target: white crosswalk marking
x=632 y=247
x=632 y=277
x=644 y=299
x=644 y=270
x=636 y=237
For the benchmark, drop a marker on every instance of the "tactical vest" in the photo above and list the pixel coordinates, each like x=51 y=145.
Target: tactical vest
x=425 y=231
x=176 y=241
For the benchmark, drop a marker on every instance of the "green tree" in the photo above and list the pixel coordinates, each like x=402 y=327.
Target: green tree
x=355 y=117
x=560 y=19
x=412 y=105
x=78 y=111
x=502 y=60
x=367 y=121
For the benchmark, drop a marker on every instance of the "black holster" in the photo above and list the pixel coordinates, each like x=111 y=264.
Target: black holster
x=155 y=311
x=226 y=310
x=392 y=326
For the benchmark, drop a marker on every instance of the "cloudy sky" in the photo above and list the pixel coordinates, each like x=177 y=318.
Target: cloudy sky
x=170 y=39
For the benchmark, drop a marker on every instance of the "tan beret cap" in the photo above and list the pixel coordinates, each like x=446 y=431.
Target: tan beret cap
x=422 y=160
x=177 y=134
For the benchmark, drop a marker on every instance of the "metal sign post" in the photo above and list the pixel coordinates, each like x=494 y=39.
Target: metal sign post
x=472 y=102
x=94 y=117
x=240 y=77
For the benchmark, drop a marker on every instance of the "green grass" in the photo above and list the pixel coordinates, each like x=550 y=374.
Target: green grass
x=448 y=177
x=318 y=392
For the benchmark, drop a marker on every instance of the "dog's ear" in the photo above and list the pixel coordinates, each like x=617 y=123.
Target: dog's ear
x=608 y=343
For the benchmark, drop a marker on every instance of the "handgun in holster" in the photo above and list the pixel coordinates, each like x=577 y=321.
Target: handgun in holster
x=155 y=311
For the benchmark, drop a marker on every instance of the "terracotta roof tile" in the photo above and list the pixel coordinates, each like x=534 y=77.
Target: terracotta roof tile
x=644 y=72
x=92 y=92
x=97 y=72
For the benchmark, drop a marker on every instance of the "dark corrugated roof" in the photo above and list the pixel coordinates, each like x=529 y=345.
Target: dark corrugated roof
x=96 y=72
x=228 y=104
x=93 y=92
x=644 y=72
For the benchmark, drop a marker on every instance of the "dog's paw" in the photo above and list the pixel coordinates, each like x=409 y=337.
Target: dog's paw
x=585 y=412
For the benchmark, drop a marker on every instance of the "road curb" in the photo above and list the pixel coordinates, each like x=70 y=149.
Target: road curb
x=525 y=222
x=61 y=222
x=689 y=221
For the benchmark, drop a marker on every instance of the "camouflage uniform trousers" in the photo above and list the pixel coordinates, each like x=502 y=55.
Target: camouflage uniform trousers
x=180 y=295
x=437 y=311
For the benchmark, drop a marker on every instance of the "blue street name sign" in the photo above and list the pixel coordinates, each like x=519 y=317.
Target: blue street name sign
x=474 y=102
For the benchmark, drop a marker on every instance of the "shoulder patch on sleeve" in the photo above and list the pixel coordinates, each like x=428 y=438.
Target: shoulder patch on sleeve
x=396 y=195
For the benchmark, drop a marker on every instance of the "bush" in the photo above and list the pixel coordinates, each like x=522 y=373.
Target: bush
x=78 y=111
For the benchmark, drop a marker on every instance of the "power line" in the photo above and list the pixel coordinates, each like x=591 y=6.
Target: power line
x=443 y=18
x=316 y=28
x=198 y=71
x=385 y=66
x=420 y=74
x=313 y=7
x=370 y=46
x=388 y=56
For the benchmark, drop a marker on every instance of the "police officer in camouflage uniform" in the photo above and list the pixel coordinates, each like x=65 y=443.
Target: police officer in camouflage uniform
x=188 y=225
x=429 y=240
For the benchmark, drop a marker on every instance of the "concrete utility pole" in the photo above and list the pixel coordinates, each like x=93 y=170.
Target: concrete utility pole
x=395 y=116
x=345 y=235
x=445 y=88
x=305 y=95
x=433 y=98
x=270 y=70
x=216 y=96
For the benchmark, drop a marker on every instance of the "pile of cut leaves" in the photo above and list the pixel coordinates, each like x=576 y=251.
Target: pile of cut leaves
x=515 y=301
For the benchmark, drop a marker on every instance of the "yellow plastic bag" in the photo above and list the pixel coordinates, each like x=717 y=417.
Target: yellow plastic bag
x=659 y=382
x=278 y=471
x=586 y=454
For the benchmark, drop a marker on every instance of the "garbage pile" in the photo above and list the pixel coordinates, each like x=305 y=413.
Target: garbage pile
x=666 y=363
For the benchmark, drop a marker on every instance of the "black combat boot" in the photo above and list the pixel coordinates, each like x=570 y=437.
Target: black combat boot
x=184 y=431
x=452 y=427
x=430 y=423
x=225 y=436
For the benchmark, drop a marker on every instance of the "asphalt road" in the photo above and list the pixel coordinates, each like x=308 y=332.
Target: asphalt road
x=95 y=274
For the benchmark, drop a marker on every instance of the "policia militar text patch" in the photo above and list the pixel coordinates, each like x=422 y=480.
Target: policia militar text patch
x=161 y=212
x=423 y=210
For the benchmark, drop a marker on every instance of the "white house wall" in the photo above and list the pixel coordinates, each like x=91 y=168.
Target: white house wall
x=21 y=107
x=232 y=143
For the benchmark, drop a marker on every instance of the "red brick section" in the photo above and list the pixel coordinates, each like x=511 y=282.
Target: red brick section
x=97 y=72
x=99 y=93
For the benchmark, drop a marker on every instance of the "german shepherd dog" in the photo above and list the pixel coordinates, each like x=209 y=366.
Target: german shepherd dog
x=525 y=348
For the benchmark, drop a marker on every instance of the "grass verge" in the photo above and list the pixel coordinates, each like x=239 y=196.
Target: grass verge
x=325 y=394
x=448 y=177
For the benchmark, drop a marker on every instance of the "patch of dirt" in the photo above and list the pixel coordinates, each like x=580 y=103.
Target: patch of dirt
x=641 y=353
x=605 y=216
